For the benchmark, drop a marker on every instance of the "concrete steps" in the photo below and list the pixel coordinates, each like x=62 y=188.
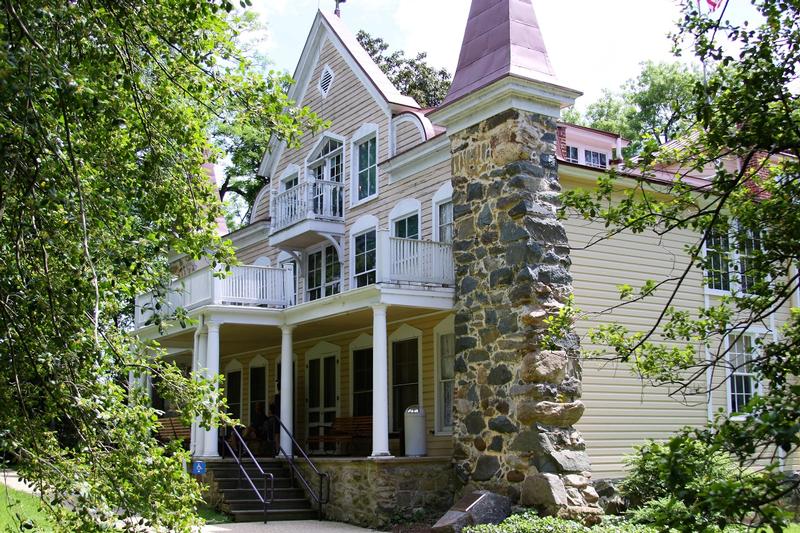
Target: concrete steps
x=241 y=502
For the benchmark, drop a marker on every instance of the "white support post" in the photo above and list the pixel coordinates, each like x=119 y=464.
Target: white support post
x=287 y=389
x=382 y=256
x=195 y=365
x=288 y=284
x=212 y=369
x=200 y=433
x=380 y=383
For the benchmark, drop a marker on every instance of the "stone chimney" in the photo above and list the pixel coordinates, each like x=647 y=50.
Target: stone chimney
x=515 y=402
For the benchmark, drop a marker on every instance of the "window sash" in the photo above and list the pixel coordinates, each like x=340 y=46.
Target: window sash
x=362 y=382
x=365 y=258
x=743 y=382
x=595 y=159
x=445 y=230
x=324 y=275
x=572 y=154
x=367 y=169
x=407 y=228
x=233 y=393
x=405 y=379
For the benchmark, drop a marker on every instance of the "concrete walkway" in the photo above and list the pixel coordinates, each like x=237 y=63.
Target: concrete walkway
x=292 y=526
x=10 y=479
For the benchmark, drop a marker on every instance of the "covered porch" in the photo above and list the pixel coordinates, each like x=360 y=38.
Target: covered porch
x=324 y=367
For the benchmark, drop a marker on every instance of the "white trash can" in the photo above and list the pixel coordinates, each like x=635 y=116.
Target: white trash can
x=416 y=444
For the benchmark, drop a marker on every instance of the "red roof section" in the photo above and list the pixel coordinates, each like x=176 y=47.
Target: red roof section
x=502 y=38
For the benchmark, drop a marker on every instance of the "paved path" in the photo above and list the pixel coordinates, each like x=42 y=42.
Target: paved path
x=10 y=478
x=291 y=526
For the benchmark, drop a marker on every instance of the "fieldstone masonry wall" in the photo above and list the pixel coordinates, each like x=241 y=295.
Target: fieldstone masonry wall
x=377 y=493
x=515 y=403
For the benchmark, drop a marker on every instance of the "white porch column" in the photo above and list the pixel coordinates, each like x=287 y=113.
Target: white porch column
x=380 y=383
x=195 y=365
x=287 y=388
x=200 y=433
x=212 y=369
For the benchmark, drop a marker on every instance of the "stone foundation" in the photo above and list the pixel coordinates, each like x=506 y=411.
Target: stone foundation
x=375 y=493
x=517 y=392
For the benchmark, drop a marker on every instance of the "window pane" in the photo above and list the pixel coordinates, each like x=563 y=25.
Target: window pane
x=362 y=382
x=330 y=382
x=258 y=389
x=233 y=393
x=405 y=378
x=447 y=353
x=313 y=383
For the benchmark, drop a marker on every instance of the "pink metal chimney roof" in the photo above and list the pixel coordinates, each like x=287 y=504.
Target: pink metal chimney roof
x=502 y=38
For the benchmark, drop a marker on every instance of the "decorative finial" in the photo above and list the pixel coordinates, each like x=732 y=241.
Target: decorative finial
x=337 y=11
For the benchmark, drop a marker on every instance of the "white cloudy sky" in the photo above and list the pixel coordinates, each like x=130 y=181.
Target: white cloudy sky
x=593 y=44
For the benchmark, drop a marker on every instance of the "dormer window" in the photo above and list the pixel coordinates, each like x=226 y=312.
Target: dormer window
x=572 y=154
x=595 y=159
x=325 y=81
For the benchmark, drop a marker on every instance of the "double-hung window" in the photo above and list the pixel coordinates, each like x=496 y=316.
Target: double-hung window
x=445 y=229
x=743 y=382
x=407 y=228
x=324 y=274
x=364 y=256
x=729 y=259
x=367 y=170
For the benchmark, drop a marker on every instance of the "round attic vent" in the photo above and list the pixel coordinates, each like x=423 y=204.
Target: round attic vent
x=325 y=81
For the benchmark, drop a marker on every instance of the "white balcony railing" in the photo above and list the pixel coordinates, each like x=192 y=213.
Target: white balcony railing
x=414 y=261
x=315 y=200
x=245 y=285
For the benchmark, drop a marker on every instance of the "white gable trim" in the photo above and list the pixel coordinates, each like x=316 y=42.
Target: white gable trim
x=414 y=119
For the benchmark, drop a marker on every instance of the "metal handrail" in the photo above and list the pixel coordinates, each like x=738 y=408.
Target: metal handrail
x=323 y=496
x=264 y=499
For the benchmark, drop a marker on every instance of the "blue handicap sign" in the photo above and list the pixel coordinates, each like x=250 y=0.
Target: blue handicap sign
x=198 y=467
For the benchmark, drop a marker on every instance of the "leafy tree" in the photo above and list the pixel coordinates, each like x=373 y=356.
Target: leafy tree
x=656 y=103
x=106 y=110
x=413 y=77
x=746 y=137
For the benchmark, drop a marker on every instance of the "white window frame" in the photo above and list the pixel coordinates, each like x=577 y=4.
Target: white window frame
x=361 y=342
x=312 y=161
x=289 y=174
x=442 y=196
x=445 y=327
x=322 y=247
x=362 y=135
x=734 y=265
x=594 y=151
x=754 y=333
x=571 y=159
x=322 y=350
x=362 y=225
x=406 y=208
x=404 y=333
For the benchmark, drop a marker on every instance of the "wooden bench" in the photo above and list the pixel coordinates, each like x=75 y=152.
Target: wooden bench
x=173 y=429
x=344 y=430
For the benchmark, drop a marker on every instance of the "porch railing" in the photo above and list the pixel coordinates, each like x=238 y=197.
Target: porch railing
x=318 y=199
x=245 y=285
x=268 y=495
x=323 y=492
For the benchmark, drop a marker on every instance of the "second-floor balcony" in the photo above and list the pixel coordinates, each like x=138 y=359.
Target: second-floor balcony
x=300 y=215
x=410 y=263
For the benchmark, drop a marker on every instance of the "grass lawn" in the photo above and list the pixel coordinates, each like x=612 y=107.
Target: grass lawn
x=16 y=506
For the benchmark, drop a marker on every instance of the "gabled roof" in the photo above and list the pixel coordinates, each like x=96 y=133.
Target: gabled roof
x=368 y=66
x=502 y=38
x=328 y=25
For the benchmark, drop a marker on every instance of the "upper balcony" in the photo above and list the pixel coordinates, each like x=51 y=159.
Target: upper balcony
x=250 y=285
x=417 y=268
x=302 y=214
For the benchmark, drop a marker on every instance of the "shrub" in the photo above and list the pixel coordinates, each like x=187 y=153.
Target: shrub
x=530 y=522
x=680 y=468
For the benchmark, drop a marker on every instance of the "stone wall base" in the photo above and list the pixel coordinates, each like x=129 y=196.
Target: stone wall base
x=375 y=493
